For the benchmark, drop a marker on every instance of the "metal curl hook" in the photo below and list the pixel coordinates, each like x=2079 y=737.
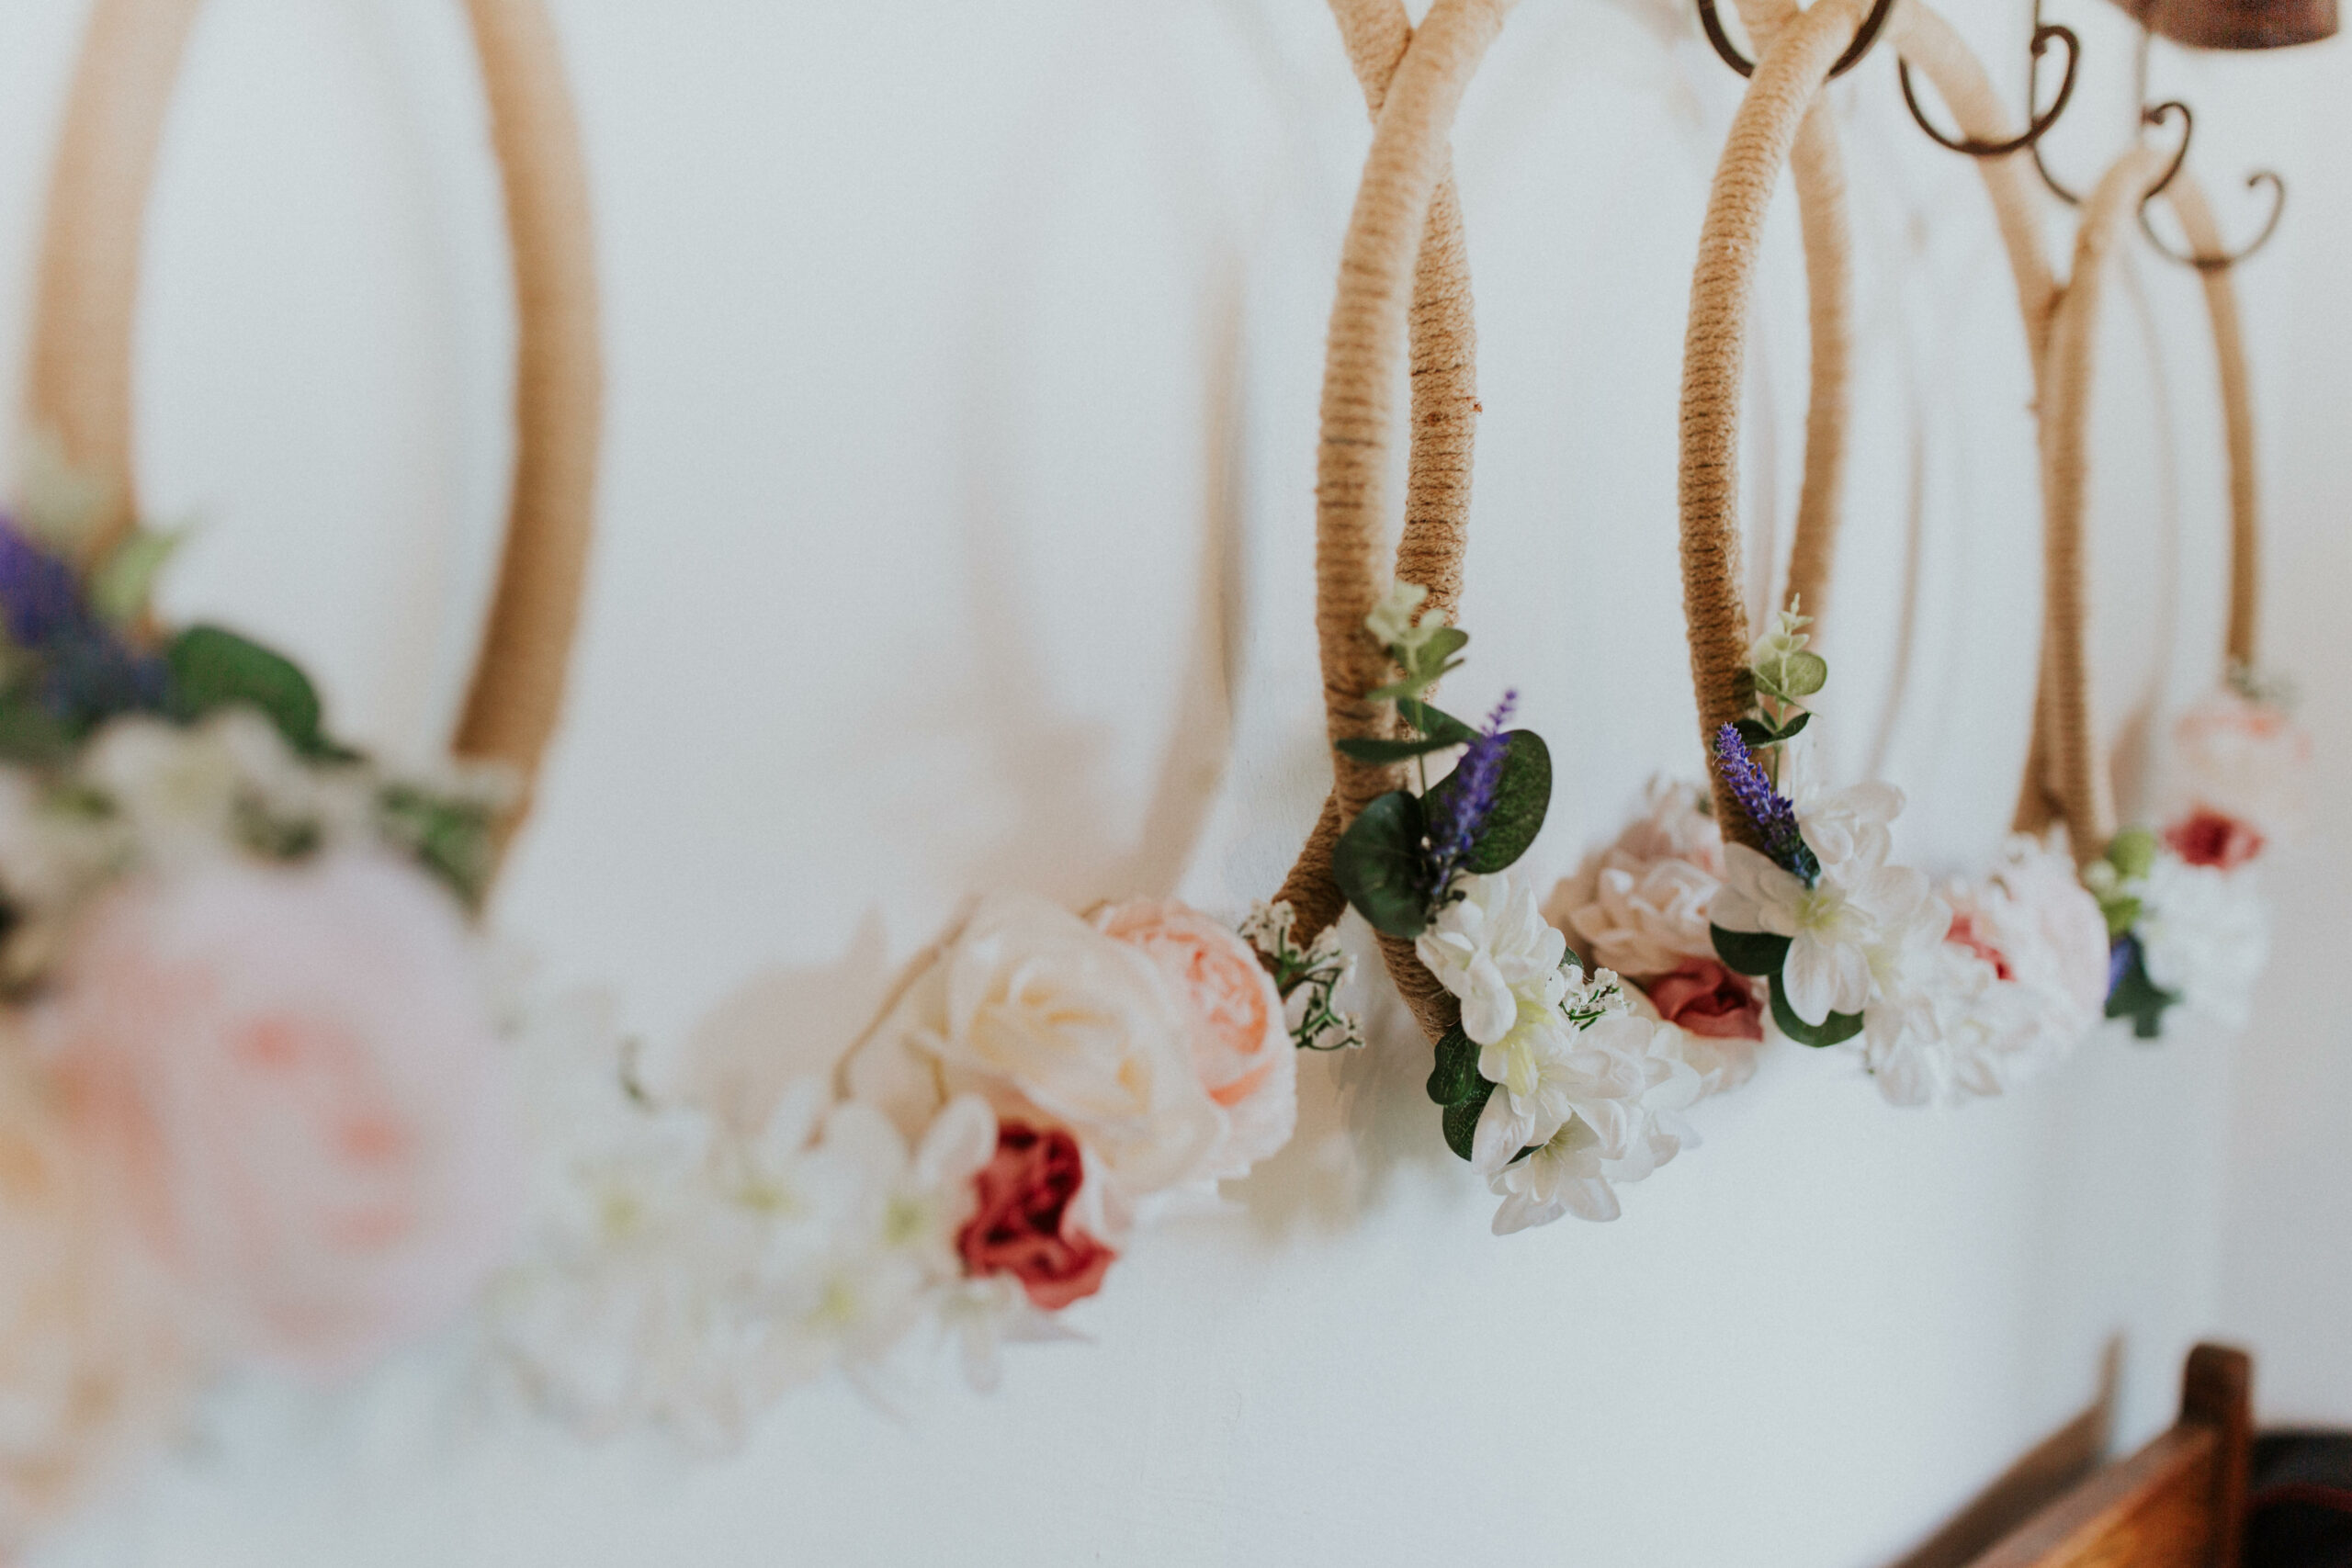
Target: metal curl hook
x=2157 y=116
x=2042 y=38
x=1864 y=35
x=2227 y=259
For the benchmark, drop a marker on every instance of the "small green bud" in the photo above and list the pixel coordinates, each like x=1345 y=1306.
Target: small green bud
x=2132 y=852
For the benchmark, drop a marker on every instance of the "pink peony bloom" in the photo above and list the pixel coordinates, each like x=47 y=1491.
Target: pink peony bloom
x=1707 y=999
x=1241 y=1045
x=1639 y=904
x=2207 y=838
x=292 y=1071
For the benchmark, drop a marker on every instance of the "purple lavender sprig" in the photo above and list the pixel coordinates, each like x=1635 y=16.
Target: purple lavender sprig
x=1775 y=817
x=1478 y=776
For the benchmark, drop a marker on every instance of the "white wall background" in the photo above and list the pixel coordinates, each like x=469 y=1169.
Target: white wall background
x=964 y=358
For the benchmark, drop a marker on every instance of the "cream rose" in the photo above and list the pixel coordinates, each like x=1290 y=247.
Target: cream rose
x=1037 y=1009
x=295 y=1071
x=1241 y=1042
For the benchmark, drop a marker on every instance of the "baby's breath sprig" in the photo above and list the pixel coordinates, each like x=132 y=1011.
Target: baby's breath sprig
x=1306 y=977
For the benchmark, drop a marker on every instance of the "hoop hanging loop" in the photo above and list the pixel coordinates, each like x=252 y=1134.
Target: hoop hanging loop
x=1442 y=334
x=88 y=293
x=2241 y=642
x=1368 y=336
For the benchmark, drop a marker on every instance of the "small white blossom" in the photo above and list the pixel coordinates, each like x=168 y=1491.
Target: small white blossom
x=1490 y=948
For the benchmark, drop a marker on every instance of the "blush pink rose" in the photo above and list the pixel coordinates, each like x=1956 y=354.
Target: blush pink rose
x=2208 y=838
x=1965 y=934
x=1705 y=999
x=1240 y=1043
x=293 y=1074
x=1023 y=1221
x=2245 y=759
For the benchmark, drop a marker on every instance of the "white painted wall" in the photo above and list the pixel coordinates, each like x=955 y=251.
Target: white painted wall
x=948 y=343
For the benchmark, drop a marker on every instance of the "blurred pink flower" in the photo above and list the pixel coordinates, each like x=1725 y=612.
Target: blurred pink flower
x=293 y=1073
x=2245 y=759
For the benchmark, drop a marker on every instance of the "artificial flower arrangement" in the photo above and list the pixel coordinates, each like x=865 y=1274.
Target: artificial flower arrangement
x=1552 y=1085
x=2183 y=914
x=1945 y=991
x=252 y=1107
x=264 y=1100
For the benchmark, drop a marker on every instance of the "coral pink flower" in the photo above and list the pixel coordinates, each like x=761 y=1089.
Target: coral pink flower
x=293 y=1074
x=1708 y=1000
x=1022 y=1223
x=2207 y=838
x=1240 y=1043
x=1963 y=933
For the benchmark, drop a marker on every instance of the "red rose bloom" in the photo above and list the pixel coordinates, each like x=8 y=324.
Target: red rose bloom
x=2207 y=838
x=1021 y=1227
x=1707 y=999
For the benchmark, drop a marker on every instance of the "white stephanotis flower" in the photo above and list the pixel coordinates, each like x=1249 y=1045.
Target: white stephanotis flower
x=2204 y=936
x=1489 y=948
x=1849 y=829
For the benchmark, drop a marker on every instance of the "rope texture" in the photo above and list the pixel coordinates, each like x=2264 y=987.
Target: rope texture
x=1368 y=335
x=88 y=283
x=2074 y=783
x=2187 y=199
x=1443 y=338
x=1795 y=63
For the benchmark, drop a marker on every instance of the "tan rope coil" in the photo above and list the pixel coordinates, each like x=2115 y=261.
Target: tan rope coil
x=1795 y=63
x=1442 y=333
x=88 y=280
x=1818 y=169
x=2241 y=642
x=1368 y=335
x=2075 y=787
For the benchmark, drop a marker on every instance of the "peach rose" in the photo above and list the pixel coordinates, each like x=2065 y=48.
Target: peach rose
x=293 y=1071
x=1241 y=1042
x=92 y=1367
x=1639 y=903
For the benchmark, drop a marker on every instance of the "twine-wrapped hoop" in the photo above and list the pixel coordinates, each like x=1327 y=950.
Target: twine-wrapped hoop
x=1442 y=333
x=1379 y=267
x=88 y=280
x=2074 y=783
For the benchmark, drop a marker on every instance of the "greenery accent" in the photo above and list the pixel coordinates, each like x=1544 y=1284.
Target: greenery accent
x=2135 y=997
x=1461 y=1121
x=1522 y=799
x=1750 y=953
x=1381 y=868
x=213 y=667
x=1836 y=1028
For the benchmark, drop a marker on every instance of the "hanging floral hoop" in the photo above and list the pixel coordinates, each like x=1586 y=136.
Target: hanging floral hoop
x=2184 y=916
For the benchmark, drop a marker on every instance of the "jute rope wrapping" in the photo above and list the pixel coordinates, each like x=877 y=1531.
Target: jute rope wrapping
x=2074 y=785
x=88 y=279
x=1795 y=63
x=2188 y=199
x=1443 y=338
x=1817 y=167
x=1368 y=332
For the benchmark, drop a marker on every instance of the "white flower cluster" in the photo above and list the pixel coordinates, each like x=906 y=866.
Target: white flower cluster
x=1041 y=1085
x=2204 y=934
x=1588 y=1093
x=1859 y=922
x=148 y=796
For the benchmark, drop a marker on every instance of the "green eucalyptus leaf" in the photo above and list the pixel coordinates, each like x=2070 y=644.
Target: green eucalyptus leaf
x=121 y=585
x=212 y=668
x=1440 y=646
x=1755 y=732
x=1830 y=1030
x=1801 y=673
x=1790 y=731
x=1750 y=953
x=1379 y=865
x=2132 y=852
x=1436 y=724
x=1456 y=1078
x=1379 y=751
x=1522 y=799
x=1461 y=1119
